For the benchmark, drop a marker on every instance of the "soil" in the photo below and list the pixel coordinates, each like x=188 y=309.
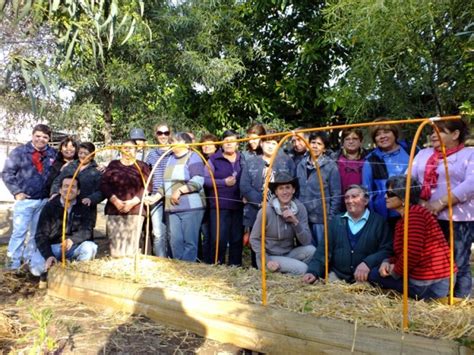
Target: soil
x=33 y=322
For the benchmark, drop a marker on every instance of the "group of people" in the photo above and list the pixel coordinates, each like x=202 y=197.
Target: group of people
x=364 y=195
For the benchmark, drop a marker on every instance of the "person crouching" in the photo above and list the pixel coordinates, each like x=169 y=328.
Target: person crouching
x=286 y=219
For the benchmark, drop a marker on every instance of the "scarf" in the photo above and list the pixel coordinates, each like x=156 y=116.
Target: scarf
x=37 y=157
x=277 y=207
x=430 y=178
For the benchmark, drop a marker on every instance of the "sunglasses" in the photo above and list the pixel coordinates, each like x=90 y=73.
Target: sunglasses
x=161 y=133
x=390 y=194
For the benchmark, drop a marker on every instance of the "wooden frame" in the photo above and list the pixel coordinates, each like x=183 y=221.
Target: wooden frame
x=254 y=327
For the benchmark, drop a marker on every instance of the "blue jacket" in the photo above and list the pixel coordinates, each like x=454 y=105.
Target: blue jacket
x=251 y=182
x=378 y=167
x=229 y=196
x=310 y=192
x=20 y=174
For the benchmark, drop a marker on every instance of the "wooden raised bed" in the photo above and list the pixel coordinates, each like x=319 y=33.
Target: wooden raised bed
x=255 y=327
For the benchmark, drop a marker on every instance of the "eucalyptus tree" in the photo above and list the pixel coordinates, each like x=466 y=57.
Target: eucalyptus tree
x=403 y=59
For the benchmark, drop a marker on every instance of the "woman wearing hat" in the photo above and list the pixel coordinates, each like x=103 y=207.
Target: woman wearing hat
x=428 y=251
x=286 y=220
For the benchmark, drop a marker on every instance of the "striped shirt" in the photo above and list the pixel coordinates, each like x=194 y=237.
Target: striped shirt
x=158 y=173
x=187 y=170
x=428 y=250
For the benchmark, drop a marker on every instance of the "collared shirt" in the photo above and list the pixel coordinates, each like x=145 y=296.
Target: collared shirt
x=356 y=226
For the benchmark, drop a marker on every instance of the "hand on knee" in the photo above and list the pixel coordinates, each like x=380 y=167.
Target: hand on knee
x=273 y=266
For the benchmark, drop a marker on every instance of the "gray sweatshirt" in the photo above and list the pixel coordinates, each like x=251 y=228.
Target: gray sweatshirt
x=280 y=235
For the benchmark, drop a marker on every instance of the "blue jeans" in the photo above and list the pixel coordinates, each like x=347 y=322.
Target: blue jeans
x=317 y=231
x=231 y=234
x=184 y=233
x=463 y=239
x=80 y=252
x=25 y=217
x=160 y=236
x=435 y=290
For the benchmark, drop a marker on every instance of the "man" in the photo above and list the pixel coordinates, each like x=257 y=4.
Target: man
x=359 y=240
x=25 y=175
x=49 y=232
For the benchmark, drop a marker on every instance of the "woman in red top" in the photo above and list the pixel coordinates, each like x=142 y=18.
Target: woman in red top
x=428 y=251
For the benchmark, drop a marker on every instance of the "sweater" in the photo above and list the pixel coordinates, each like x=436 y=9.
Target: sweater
x=374 y=244
x=49 y=231
x=279 y=234
x=125 y=182
x=20 y=174
x=186 y=170
x=428 y=251
x=461 y=174
x=229 y=196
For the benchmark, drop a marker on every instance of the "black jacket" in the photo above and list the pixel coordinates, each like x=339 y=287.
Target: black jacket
x=49 y=230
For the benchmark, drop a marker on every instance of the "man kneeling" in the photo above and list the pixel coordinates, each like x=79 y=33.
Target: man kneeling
x=49 y=231
x=358 y=241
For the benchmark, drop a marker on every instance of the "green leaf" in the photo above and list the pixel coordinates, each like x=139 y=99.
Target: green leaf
x=130 y=32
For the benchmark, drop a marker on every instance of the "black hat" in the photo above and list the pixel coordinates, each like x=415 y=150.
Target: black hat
x=283 y=179
x=137 y=134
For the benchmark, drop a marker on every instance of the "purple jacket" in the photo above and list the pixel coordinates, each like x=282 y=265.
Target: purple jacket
x=461 y=174
x=229 y=196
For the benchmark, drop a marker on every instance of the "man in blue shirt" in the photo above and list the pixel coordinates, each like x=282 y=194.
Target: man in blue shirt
x=359 y=240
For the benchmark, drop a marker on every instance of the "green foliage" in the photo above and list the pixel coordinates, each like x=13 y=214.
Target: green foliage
x=42 y=337
x=402 y=59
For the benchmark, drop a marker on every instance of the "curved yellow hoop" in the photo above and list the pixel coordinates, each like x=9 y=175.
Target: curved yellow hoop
x=66 y=202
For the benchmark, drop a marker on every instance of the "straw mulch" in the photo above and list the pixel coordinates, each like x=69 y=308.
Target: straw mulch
x=358 y=302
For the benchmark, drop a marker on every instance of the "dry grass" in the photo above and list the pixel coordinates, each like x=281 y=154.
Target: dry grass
x=359 y=302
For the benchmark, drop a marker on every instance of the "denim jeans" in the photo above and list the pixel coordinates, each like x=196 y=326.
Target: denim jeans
x=25 y=217
x=184 y=233
x=435 y=290
x=296 y=261
x=80 y=252
x=160 y=236
x=317 y=231
x=463 y=239
x=231 y=235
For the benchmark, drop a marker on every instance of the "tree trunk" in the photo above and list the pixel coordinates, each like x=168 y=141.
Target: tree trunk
x=107 y=103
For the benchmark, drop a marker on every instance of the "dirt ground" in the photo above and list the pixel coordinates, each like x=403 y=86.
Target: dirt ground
x=32 y=322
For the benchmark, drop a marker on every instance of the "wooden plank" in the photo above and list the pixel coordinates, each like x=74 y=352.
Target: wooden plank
x=256 y=327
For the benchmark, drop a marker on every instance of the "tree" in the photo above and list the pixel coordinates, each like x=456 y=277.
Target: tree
x=402 y=59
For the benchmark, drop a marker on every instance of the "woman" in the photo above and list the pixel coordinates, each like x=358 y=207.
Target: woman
x=389 y=158
x=428 y=167
x=253 y=145
x=210 y=147
x=184 y=198
x=226 y=167
x=123 y=186
x=89 y=178
x=254 y=172
x=310 y=192
x=428 y=251
x=160 y=238
x=67 y=152
x=286 y=220
x=204 y=247
x=350 y=158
